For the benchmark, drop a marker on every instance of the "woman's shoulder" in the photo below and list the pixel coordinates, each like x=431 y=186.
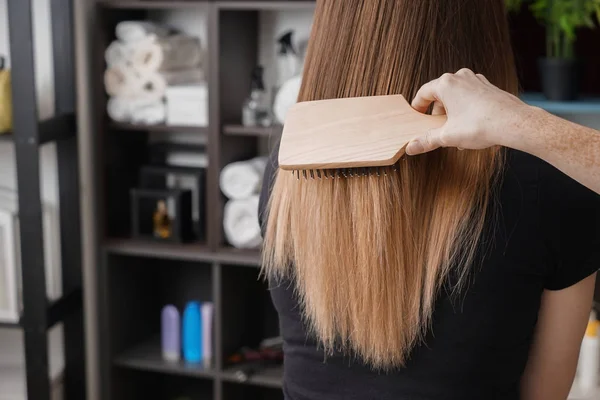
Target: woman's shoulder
x=568 y=215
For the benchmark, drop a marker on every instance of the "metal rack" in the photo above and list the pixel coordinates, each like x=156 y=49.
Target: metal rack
x=39 y=315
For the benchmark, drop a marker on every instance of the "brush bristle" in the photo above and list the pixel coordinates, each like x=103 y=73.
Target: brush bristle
x=345 y=173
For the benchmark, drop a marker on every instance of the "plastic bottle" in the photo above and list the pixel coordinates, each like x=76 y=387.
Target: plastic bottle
x=170 y=333
x=192 y=333
x=589 y=358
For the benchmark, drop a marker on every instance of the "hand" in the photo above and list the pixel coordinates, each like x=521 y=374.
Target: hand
x=480 y=115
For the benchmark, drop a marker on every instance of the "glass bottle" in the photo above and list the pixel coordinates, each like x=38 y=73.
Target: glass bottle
x=255 y=111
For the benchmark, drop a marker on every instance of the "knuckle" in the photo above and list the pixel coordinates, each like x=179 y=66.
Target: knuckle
x=446 y=80
x=465 y=72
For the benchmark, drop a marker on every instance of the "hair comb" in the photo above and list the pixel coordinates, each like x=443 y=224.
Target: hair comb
x=350 y=137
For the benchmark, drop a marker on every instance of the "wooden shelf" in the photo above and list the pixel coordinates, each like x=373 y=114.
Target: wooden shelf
x=151 y=5
x=589 y=105
x=240 y=130
x=238 y=257
x=270 y=377
x=4 y=325
x=194 y=251
x=158 y=128
x=148 y=357
x=266 y=5
x=148 y=248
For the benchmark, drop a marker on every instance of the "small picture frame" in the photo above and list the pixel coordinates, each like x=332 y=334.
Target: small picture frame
x=164 y=177
x=164 y=215
x=9 y=268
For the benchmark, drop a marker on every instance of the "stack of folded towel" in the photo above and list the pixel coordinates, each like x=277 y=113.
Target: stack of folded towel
x=144 y=61
x=241 y=182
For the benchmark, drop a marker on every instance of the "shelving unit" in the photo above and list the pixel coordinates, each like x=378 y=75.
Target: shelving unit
x=585 y=105
x=39 y=314
x=136 y=278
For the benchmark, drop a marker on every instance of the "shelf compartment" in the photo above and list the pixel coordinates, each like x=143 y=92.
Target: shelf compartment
x=258 y=131
x=271 y=377
x=158 y=128
x=139 y=289
x=147 y=356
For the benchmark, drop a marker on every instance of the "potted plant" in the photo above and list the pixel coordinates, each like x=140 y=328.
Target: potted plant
x=561 y=69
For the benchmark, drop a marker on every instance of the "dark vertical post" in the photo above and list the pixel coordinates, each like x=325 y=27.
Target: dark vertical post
x=68 y=181
x=217 y=285
x=25 y=128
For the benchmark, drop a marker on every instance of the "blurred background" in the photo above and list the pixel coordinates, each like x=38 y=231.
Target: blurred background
x=133 y=138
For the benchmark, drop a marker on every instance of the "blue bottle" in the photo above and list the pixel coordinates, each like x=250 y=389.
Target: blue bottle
x=192 y=332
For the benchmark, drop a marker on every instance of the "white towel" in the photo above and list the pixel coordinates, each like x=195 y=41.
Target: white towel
x=133 y=31
x=172 y=52
x=240 y=223
x=118 y=53
x=122 y=81
x=187 y=105
x=154 y=84
x=122 y=109
x=242 y=179
x=149 y=115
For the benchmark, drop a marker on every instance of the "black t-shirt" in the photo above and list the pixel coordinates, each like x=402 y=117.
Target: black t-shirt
x=546 y=235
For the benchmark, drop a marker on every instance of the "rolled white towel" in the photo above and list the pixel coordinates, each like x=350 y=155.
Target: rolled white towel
x=134 y=31
x=122 y=81
x=122 y=109
x=118 y=53
x=149 y=115
x=172 y=52
x=240 y=223
x=154 y=84
x=242 y=179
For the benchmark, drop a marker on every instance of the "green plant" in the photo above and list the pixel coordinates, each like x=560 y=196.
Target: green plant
x=562 y=18
x=513 y=5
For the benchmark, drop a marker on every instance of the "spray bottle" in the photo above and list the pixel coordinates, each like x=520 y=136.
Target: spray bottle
x=287 y=59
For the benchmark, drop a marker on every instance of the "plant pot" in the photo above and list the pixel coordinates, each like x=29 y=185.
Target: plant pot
x=560 y=78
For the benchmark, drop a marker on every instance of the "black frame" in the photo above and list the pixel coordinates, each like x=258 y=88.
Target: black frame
x=28 y=134
x=155 y=177
x=182 y=221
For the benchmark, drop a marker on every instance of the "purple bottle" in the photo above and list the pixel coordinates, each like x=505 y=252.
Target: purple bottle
x=170 y=333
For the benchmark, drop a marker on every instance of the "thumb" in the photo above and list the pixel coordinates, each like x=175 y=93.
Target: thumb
x=424 y=144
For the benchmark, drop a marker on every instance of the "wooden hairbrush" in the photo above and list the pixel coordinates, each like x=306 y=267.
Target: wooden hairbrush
x=350 y=137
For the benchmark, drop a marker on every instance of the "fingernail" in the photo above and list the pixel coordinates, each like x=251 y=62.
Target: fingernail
x=414 y=147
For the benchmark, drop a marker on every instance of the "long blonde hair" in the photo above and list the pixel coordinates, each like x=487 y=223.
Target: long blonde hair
x=368 y=256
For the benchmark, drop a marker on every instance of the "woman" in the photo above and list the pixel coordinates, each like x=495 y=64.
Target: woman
x=464 y=275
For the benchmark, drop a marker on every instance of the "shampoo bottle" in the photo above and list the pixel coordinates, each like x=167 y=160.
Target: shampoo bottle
x=192 y=333
x=170 y=333
x=589 y=358
x=207 y=316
